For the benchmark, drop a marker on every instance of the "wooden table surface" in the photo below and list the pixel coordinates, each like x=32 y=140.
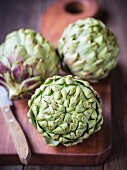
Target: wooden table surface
x=15 y=14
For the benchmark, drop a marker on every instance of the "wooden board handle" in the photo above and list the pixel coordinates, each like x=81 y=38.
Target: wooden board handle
x=17 y=135
x=63 y=12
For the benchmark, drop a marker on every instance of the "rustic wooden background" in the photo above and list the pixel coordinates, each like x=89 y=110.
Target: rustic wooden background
x=15 y=14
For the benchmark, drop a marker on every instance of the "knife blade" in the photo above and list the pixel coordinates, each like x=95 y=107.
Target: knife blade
x=16 y=132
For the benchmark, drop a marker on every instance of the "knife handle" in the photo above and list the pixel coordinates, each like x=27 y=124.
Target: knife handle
x=17 y=135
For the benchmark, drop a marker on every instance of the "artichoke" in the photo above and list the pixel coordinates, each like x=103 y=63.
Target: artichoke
x=26 y=60
x=88 y=49
x=65 y=110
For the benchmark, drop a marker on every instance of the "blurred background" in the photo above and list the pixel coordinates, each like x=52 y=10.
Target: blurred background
x=15 y=14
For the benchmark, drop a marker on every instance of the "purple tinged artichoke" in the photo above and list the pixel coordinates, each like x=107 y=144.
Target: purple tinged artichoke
x=26 y=60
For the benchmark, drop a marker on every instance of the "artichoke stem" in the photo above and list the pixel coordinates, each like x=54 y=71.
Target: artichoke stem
x=14 y=93
x=13 y=87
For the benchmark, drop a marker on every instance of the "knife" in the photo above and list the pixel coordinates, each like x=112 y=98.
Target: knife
x=16 y=132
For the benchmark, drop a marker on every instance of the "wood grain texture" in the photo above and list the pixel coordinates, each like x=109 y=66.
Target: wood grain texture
x=64 y=12
x=14 y=15
x=116 y=19
x=20 y=14
x=11 y=167
x=93 y=150
x=17 y=135
x=116 y=22
x=63 y=168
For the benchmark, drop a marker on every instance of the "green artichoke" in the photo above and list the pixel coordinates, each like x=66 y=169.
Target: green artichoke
x=88 y=49
x=26 y=60
x=65 y=110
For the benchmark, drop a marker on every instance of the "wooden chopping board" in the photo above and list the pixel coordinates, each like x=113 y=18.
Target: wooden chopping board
x=64 y=12
x=93 y=150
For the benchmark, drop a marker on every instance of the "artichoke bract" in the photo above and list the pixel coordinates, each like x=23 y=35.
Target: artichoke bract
x=26 y=60
x=65 y=110
x=88 y=49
